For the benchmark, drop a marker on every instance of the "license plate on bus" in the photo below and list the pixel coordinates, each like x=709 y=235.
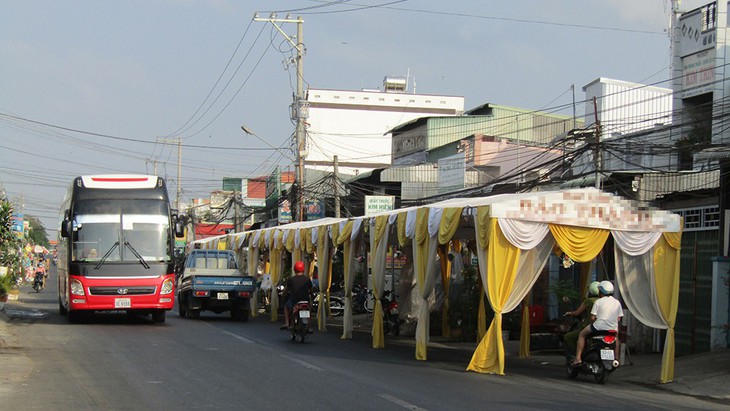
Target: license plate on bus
x=304 y=314
x=222 y=296
x=122 y=303
x=607 y=355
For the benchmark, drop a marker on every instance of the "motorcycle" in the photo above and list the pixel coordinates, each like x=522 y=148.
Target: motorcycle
x=391 y=321
x=598 y=357
x=337 y=305
x=363 y=299
x=38 y=282
x=300 y=321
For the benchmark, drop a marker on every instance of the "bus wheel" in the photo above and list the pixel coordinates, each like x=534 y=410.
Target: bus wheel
x=61 y=309
x=73 y=316
x=158 y=316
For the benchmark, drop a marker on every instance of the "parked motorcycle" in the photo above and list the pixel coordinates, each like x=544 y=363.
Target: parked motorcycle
x=337 y=305
x=300 y=321
x=38 y=281
x=391 y=321
x=363 y=299
x=598 y=357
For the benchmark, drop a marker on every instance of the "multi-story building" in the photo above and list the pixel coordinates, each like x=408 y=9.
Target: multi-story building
x=354 y=125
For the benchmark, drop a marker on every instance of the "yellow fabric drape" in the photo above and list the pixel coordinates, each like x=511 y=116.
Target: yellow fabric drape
x=421 y=240
x=450 y=219
x=666 y=279
x=343 y=237
x=401 y=226
x=445 y=278
x=275 y=273
x=323 y=268
x=381 y=224
x=525 y=330
x=482 y=243
x=502 y=261
x=581 y=244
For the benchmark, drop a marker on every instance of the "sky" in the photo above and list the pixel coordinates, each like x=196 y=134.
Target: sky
x=104 y=87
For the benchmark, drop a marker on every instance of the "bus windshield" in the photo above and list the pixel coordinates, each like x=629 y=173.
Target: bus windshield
x=119 y=227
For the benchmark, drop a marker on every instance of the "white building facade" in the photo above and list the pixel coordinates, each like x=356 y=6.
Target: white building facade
x=353 y=125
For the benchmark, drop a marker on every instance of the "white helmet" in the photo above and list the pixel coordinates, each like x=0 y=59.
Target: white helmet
x=605 y=287
x=593 y=289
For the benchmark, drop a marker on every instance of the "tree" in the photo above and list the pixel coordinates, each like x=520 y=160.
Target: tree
x=9 y=246
x=37 y=232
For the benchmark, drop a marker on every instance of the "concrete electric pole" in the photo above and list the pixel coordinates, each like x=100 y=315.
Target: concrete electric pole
x=300 y=111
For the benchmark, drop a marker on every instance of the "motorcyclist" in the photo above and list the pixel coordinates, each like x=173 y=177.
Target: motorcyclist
x=605 y=315
x=298 y=288
x=571 y=338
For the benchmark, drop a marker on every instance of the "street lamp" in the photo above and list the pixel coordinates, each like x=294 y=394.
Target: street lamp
x=279 y=149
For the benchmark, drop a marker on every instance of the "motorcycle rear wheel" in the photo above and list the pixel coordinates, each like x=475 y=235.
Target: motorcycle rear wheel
x=571 y=371
x=602 y=376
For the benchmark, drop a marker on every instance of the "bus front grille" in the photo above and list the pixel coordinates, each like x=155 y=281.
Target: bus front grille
x=122 y=290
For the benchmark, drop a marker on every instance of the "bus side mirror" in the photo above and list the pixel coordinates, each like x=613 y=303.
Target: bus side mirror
x=65 y=228
x=179 y=229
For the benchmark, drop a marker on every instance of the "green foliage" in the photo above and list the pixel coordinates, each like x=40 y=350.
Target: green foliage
x=37 y=232
x=9 y=246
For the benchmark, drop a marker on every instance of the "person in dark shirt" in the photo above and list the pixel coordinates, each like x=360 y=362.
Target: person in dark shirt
x=298 y=288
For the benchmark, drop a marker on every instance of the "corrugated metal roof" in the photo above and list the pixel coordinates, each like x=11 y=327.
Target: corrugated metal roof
x=657 y=185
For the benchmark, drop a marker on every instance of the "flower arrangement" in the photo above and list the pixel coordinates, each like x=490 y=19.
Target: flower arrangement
x=565 y=261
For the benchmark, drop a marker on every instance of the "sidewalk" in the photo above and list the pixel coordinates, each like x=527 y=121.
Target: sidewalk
x=704 y=375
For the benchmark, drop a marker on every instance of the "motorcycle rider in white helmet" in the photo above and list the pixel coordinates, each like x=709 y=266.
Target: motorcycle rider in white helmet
x=605 y=315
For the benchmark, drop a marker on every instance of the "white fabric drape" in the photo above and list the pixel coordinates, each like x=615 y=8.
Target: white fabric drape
x=635 y=278
x=529 y=268
x=635 y=243
x=524 y=235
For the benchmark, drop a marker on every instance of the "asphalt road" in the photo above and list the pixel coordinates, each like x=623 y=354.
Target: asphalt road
x=116 y=362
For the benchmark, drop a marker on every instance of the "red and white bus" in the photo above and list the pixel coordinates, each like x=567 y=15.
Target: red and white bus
x=115 y=246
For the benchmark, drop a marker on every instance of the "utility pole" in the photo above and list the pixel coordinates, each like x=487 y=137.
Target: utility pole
x=336 y=187
x=300 y=106
x=597 y=147
x=177 y=141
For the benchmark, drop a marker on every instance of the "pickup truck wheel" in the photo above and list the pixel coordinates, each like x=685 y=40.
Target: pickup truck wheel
x=181 y=308
x=239 y=314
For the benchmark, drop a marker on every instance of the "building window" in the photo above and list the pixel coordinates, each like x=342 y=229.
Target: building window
x=709 y=17
x=700 y=219
x=711 y=217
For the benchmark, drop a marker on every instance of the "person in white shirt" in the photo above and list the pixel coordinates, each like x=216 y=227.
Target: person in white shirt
x=605 y=315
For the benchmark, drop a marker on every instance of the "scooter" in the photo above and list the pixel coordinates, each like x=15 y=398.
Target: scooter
x=391 y=321
x=598 y=357
x=38 y=282
x=300 y=321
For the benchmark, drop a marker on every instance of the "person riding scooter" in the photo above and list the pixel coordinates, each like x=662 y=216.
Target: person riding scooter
x=298 y=288
x=605 y=315
x=571 y=338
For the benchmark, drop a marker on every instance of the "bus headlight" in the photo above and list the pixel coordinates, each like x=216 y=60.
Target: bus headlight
x=77 y=288
x=167 y=286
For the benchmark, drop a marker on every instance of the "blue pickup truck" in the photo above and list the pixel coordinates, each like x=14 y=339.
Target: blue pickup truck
x=210 y=280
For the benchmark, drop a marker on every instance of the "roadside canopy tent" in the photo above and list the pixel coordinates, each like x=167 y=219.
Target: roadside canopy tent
x=514 y=235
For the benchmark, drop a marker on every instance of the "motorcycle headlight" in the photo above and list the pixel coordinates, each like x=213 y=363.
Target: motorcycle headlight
x=167 y=286
x=77 y=288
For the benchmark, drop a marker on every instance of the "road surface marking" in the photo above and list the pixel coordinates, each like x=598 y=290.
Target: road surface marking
x=238 y=337
x=303 y=363
x=398 y=401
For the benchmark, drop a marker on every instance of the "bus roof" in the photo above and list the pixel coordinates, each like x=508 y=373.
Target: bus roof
x=120 y=181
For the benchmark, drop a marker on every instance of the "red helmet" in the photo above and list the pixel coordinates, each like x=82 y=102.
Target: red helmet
x=299 y=267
